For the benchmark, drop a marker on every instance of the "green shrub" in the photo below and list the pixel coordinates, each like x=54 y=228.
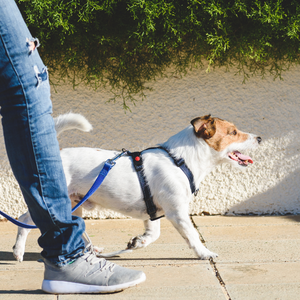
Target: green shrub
x=125 y=44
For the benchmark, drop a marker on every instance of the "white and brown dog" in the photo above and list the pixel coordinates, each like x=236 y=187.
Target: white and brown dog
x=203 y=145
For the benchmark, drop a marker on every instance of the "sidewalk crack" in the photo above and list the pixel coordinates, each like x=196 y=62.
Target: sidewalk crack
x=219 y=277
x=213 y=265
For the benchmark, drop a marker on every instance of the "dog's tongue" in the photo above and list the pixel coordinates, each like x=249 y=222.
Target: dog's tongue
x=243 y=157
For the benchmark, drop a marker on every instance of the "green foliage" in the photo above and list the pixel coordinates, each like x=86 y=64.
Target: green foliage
x=125 y=44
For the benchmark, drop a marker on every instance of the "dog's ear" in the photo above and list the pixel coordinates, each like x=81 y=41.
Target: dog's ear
x=204 y=127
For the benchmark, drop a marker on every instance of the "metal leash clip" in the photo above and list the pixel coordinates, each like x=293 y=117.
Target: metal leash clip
x=112 y=162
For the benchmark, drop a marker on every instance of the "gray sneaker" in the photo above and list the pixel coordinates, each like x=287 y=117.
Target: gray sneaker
x=89 y=274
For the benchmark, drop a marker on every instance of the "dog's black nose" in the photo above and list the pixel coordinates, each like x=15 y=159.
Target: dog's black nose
x=258 y=139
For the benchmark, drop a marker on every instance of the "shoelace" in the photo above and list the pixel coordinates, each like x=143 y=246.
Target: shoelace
x=91 y=257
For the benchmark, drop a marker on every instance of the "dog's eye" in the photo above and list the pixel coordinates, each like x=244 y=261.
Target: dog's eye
x=234 y=132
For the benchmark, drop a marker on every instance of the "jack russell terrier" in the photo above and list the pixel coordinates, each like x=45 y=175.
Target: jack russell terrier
x=205 y=144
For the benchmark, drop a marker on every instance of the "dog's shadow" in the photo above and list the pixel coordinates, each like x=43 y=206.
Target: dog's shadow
x=6 y=256
x=37 y=292
x=22 y=292
x=119 y=259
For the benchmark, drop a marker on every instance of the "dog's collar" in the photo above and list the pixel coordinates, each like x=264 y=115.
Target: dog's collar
x=148 y=198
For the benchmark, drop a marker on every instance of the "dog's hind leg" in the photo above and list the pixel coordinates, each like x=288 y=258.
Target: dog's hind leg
x=152 y=233
x=19 y=247
x=185 y=227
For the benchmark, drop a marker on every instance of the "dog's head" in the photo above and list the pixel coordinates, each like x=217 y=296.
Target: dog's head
x=226 y=139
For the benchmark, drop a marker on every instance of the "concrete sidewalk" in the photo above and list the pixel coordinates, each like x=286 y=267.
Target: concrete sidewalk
x=259 y=258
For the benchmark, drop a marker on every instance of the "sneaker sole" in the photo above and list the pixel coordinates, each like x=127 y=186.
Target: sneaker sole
x=64 y=287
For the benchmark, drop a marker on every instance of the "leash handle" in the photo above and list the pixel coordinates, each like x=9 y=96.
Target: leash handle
x=103 y=173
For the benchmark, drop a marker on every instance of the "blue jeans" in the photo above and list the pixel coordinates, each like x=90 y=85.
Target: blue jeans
x=30 y=138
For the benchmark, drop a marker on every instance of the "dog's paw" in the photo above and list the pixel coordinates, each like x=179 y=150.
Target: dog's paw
x=98 y=250
x=18 y=253
x=208 y=255
x=137 y=242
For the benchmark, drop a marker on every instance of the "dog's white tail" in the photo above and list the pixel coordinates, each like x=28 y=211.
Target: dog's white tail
x=71 y=121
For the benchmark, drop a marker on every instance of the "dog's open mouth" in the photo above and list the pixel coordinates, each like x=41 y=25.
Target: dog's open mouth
x=243 y=160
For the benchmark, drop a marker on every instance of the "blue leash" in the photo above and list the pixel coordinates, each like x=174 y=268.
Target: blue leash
x=103 y=173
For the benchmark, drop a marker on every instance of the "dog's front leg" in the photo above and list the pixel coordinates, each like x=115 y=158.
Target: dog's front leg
x=185 y=227
x=19 y=247
x=152 y=233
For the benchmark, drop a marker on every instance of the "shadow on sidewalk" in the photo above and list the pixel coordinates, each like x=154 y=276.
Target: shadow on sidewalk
x=156 y=259
x=22 y=292
x=29 y=256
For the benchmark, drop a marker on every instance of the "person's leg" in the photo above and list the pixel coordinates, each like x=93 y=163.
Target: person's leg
x=33 y=152
x=30 y=138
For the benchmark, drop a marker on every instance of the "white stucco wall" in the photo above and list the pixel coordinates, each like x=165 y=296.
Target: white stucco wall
x=262 y=106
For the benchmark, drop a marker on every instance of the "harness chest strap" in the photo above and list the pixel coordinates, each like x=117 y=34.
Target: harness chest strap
x=148 y=198
x=138 y=165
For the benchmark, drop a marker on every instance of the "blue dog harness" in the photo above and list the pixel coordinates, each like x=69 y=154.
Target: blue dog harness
x=138 y=165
